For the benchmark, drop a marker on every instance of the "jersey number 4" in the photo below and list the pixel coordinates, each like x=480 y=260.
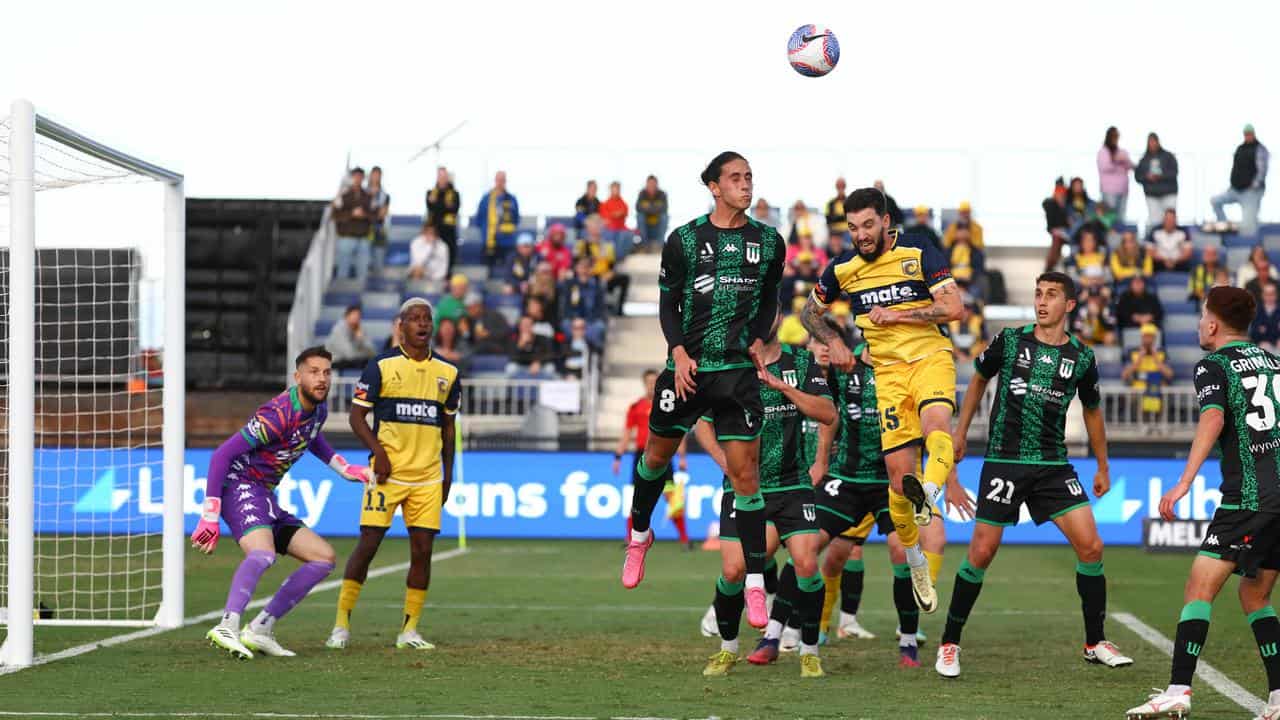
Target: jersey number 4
x=1265 y=417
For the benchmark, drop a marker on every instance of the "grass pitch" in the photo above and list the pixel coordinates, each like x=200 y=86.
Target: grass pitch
x=543 y=628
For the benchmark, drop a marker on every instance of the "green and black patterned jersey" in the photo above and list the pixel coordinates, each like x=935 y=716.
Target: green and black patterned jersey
x=1035 y=383
x=1243 y=381
x=855 y=453
x=720 y=277
x=783 y=463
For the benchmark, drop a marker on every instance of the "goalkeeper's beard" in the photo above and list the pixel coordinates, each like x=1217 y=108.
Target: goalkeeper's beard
x=318 y=396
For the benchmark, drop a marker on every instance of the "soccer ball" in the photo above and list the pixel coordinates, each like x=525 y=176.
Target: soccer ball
x=813 y=50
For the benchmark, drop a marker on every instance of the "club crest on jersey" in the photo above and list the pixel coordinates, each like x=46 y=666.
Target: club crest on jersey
x=753 y=252
x=1066 y=368
x=789 y=377
x=442 y=383
x=910 y=267
x=810 y=512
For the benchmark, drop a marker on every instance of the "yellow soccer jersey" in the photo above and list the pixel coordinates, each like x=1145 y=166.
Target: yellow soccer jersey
x=409 y=399
x=904 y=278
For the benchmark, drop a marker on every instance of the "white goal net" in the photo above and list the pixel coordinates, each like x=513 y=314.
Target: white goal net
x=88 y=523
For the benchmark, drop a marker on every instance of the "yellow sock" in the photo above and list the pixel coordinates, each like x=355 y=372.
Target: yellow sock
x=904 y=519
x=935 y=565
x=942 y=456
x=347 y=597
x=413 y=600
x=829 y=598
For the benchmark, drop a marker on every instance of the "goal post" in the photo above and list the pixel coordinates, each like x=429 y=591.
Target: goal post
x=78 y=404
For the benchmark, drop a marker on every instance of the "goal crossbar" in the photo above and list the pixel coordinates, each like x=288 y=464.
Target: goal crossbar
x=24 y=125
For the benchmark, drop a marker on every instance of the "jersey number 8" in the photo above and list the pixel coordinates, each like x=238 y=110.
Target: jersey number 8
x=667 y=400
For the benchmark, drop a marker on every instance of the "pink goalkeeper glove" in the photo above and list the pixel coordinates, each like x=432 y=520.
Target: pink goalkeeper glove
x=205 y=538
x=354 y=473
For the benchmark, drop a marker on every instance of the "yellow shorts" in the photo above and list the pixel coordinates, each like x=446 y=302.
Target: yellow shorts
x=862 y=530
x=421 y=504
x=904 y=389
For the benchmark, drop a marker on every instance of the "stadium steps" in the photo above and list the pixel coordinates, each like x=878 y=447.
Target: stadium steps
x=635 y=344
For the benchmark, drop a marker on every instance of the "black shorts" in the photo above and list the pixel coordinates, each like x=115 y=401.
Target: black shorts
x=842 y=505
x=730 y=398
x=1047 y=490
x=790 y=511
x=1249 y=539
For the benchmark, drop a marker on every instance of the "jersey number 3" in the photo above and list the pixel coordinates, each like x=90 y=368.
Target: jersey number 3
x=1265 y=418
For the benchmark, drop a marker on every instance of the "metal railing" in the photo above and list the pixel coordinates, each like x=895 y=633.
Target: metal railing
x=308 y=296
x=1122 y=411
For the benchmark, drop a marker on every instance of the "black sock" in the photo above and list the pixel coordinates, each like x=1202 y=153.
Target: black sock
x=785 y=603
x=771 y=576
x=728 y=604
x=1193 y=630
x=750 y=521
x=1092 y=586
x=905 y=601
x=647 y=490
x=1266 y=629
x=963 y=596
x=811 y=591
x=851 y=587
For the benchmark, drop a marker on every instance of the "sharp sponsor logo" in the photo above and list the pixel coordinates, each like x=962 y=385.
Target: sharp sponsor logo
x=704 y=284
x=1018 y=386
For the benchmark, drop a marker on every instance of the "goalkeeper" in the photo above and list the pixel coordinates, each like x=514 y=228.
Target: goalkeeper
x=241 y=489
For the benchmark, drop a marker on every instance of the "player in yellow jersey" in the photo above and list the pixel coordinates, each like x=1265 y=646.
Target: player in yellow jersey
x=902 y=296
x=413 y=395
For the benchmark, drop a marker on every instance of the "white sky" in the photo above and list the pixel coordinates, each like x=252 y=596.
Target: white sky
x=944 y=100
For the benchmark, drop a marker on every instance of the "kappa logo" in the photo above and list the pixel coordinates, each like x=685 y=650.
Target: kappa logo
x=1046 y=359
x=1066 y=368
x=245 y=496
x=1211 y=540
x=1018 y=386
x=731 y=248
x=910 y=267
x=704 y=284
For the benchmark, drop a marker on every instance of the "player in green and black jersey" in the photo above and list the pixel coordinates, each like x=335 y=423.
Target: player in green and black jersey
x=1038 y=370
x=1238 y=388
x=719 y=283
x=794 y=388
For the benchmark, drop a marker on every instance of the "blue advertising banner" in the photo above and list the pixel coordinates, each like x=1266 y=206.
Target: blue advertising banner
x=532 y=495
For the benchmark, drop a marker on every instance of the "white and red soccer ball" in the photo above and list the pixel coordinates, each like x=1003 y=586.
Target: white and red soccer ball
x=813 y=50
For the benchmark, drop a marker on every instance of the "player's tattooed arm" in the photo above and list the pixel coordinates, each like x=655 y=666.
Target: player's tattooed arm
x=811 y=318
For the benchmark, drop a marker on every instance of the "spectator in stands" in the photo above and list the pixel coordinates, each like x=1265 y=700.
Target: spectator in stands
x=380 y=210
x=352 y=212
x=1094 y=322
x=498 y=216
x=443 y=204
x=348 y=344
x=454 y=304
x=968 y=263
x=578 y=350
x=762 y=212
x=603 y=263
x=1089 y=265
x=1130 y=259
x=835 y=247
x=1080 y=207
x=922 y=229
x=553 y=250
x=837 y=222
x=803 y=222
x=1265 y=330
x=450 y=344
x=1170 y=247
x=521 y=266
x=1157 y=173
x=791 y=331
x=805 y=244
x=895 y=212
x=1259 y=265
x=587 y=205
x=614 y=212
x=799 y=278
x=1137 y=306
x=969 y=333
x=1114 y=166
x=1248 y=183
x=486 y=328
x=1056 y=223
x=544 y=289
x=964 y=218
x=651 y=214
x=1205 y=272
x=546 y=320
x=1147 y=372
x=396 y=338
x=583 y=297
x=532 y=355
x=428 y=256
